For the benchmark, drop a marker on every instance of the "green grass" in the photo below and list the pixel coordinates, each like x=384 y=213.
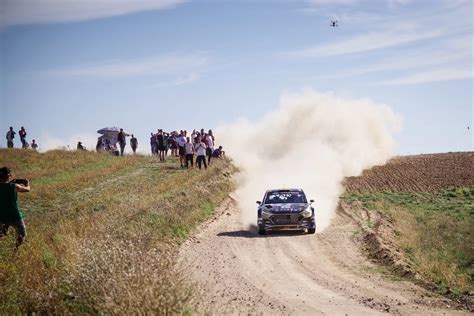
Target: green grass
x=84 y=207
x=434 y=230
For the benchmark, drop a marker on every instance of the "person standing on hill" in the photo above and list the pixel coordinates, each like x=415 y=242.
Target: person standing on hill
x=153 y=144
x=121 y=136
x=22 y=133
x=10 y=137
x=189 y=152
x=181 y=141
x=134 y=143
x=10 y=213
x=160 y=139
x=210 y=147
x=200 y=149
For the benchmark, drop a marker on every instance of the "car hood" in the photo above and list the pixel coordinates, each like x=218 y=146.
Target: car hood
x=285 y=207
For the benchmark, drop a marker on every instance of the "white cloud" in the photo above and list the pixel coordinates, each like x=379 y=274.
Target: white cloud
x=191 y=77
x=14 y=12
x=445 y=74
x=453 y=51
x=363 y=43
x=166 y=64
x=182 y=80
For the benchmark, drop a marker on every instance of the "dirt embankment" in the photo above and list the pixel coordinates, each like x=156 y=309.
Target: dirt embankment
x=418 y=173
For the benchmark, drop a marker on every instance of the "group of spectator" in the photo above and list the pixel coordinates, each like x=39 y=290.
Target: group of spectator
x=22 y=133
x=185 y=146
x=181 y=144
x=199 y=143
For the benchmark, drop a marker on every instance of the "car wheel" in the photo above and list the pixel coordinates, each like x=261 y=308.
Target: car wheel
x=311 y=230
x=262 y=231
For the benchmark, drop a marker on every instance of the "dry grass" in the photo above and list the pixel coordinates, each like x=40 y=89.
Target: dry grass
x=434 y=232
x=87 y=209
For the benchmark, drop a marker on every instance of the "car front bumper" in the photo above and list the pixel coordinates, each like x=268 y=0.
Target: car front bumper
x=286 y=222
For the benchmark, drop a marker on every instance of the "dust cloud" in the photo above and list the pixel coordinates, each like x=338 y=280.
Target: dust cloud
x=312 y=141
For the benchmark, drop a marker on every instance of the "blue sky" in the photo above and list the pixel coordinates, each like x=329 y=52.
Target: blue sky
x=71 y=68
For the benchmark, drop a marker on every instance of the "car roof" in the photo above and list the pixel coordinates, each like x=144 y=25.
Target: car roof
x=285 y=190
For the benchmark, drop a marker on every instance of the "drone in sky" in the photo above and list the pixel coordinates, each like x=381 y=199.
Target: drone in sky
x=334 y=23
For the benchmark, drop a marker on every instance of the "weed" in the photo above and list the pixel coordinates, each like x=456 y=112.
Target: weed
x=102 y=232
x=434 y=230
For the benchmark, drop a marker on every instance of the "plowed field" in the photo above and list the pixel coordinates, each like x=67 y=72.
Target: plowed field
x=418 y=173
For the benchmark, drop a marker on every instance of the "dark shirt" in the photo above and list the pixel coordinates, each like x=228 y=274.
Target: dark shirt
x=134 y=142
x=121 y=137
x=160 y=139
x=217 y=153
x=9 y=210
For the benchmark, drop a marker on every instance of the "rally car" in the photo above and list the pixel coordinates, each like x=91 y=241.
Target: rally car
x=285 y=209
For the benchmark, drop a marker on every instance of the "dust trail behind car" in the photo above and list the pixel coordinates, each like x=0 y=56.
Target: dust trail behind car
x=313 y=140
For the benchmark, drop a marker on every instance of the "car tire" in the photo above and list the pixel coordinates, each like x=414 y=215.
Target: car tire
x=311 y=230
x=262 y=231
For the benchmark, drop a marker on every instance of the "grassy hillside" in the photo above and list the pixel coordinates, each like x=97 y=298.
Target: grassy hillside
x=430 y=201
x=102 y=231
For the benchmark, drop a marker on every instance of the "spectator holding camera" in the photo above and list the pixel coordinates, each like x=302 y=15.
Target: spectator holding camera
x=22 y=133
x=10 y=213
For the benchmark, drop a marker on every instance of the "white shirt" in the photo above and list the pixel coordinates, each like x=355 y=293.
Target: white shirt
x=188 y=148
x=200 y=149
x=210 y=142
x=181 y=141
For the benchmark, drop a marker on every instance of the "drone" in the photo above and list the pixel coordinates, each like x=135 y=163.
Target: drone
x=333 y=23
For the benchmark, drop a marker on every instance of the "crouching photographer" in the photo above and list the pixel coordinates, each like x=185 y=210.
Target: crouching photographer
x=10 y=214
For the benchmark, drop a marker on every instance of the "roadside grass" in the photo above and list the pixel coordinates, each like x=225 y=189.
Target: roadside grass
x=434 y=230
x=102 y=232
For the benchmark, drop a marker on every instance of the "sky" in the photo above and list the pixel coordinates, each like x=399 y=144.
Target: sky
x=70 y=68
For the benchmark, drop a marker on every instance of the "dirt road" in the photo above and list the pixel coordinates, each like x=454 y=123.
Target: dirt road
x=241 y=272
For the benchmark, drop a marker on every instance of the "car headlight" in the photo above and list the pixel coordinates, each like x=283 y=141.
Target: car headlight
x=307 y=212
x=266 y=213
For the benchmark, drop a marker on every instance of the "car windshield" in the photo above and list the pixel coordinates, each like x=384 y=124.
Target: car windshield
x=285 y=197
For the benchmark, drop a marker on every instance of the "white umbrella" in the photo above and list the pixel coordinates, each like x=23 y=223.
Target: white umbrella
x=109 y=131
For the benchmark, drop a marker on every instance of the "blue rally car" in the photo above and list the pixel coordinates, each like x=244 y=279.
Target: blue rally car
x=285 y=209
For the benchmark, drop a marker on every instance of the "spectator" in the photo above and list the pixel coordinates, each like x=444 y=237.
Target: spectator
x=218 y=153
x=167 y=144
x=200 y=149
x=181 y=141
x=173 y=144
x=80 y=147
x=134 y=143
x=11 y=214
x=153 y=144
x=122 y=141
x=210 y=147
x=22 y=133
x=34 y=145
x=212 y=135
x=10 y=137
x=160 y=139
x=189 y=152
x=99 y=147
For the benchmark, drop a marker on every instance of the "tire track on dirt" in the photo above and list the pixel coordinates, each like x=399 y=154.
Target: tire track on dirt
x=287 y=273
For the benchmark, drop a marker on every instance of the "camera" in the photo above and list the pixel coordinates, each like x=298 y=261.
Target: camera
x=20 y=181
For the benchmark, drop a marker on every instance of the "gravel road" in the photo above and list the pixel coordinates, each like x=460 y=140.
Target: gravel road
x=240 y=272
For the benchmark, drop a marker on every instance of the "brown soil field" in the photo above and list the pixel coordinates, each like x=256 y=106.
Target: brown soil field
x=418 y=173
